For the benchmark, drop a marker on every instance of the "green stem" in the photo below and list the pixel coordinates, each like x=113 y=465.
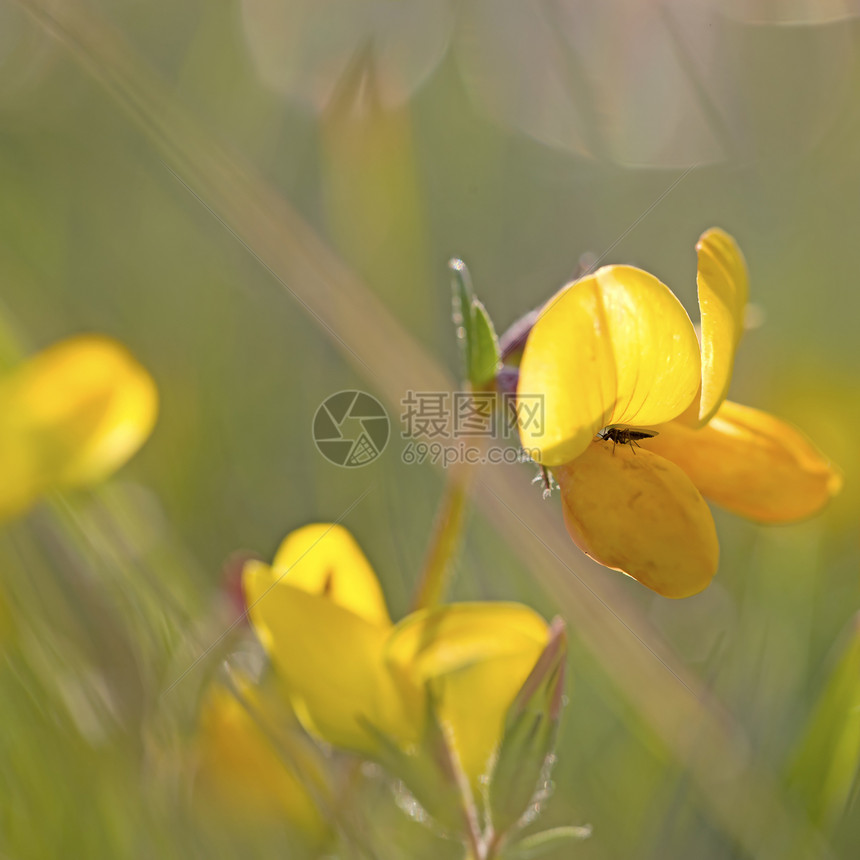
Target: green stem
x=474 y=842
x=447 y=534
x=10 y=344
x=474 y=848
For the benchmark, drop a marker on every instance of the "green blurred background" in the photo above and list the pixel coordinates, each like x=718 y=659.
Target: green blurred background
x=517 y=137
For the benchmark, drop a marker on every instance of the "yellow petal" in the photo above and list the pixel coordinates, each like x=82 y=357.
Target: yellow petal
x=71 y=415
x=752 y=463
x=242 y=774
x=723 y=294
x=638 y=513
x=616 y=347
x=475 y=656
x=473 y=703
x=324 y=558
x=331 y=662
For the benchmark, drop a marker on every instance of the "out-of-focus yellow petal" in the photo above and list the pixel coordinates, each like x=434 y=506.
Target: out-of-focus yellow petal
x=331 y=661
x=752 y=464
x=240 y=772
x=324 y=558
x=70 y=416
x=443 y=639
x=616 y=347
x=723 y=294
x=474 y=702
x=636 y=512
x=475 y=657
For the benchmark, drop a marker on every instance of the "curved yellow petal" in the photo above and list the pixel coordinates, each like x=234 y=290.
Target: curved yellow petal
x=723 y=285
x=71 y=415
x=242 y=774
x=638 y=513
x=474 y=701
x=331 y=662
x=476 y=657
x=752 y=464
x=616 y=347
x=324 y=558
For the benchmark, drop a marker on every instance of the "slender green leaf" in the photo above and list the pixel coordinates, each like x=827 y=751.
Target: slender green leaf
x=429 y=776
x=539 y=844
x=826 y=765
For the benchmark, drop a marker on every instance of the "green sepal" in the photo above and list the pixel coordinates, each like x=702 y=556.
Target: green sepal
x=479 y=345
x=531 y=729
x=429 y=773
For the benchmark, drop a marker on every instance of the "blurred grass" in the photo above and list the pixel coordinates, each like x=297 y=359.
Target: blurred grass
x=98 y=234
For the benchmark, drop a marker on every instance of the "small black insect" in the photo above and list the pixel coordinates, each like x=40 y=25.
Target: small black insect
x=625 y=436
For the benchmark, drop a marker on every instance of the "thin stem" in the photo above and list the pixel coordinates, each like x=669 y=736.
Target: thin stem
x=475 y=848
x=447 y=533
x=476 y=844
x=494 y=843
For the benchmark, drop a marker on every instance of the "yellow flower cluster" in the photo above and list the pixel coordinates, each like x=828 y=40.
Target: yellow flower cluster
x=616 y=349
x=355 y=677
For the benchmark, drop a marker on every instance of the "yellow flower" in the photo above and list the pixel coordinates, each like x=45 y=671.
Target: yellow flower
x=321 y=616
x=475 y=657
x=247 y=763
x=616 y=348
x=353 y=675
x=70 y=416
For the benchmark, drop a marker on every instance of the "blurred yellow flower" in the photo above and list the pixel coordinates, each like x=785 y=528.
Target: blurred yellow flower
x=242 y=770
x=353 y=676
x=70 y=416
x=617 y=349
